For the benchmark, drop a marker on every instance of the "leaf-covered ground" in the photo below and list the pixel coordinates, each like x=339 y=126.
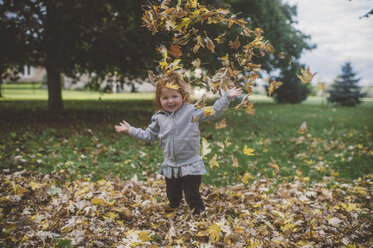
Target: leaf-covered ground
x=43 y=210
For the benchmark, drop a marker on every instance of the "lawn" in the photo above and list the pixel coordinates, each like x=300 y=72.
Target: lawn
x=82 y=141
x=72 y=176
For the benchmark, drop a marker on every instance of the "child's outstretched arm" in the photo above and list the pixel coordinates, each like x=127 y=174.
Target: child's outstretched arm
x=149 y=134
x=123 y=127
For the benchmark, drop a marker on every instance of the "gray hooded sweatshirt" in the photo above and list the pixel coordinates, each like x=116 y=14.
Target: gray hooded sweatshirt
x=179 y=136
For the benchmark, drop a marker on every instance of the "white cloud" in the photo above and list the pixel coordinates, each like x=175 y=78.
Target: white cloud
x=340 y=36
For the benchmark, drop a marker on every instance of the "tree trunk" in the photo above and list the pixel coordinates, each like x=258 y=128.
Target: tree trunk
x=1 y=80
x=52 y=62
x=55 y=104
x=1 y=85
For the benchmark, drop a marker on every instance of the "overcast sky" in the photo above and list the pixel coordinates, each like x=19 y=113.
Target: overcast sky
x=340 y=36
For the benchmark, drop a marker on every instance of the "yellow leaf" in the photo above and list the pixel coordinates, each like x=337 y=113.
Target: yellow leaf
x=175 y=65
x=350 y=207
x=257 y=42
x=200 y=41
x=254 y=243
x=196 y=48
x=248 y=151
x=144 y=236
x=19 y=190
x=208 y=111
x=225 y=60
x=250 y=109
x=210 y=45
x=214 y=232
x=97 y=201
x=183 y=24
x=220 y=38
x=288 y=226
x=273 y=86
x=246 y=177
x=193 y=3
x=360 y=190
x=112 y=215
x=163 y=64
x=213 y=163
x=221 y=124
x=306 y=76
x=172 y=86
x=35 y=185
x=196 y=63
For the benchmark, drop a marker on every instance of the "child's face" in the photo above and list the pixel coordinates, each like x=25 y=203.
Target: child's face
x=171 y=100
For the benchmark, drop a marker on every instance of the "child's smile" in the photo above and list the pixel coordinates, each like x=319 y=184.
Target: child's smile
x=171 y=100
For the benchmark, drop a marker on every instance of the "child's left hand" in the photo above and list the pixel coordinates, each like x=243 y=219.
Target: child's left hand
x=234 y=92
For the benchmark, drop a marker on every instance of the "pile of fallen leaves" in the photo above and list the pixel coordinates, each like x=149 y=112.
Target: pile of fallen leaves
x=41 y=210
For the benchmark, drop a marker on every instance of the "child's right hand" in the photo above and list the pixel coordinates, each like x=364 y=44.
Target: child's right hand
x=123 y=127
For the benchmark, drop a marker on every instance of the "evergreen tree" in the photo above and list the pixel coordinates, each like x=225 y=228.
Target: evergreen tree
x=345 y=89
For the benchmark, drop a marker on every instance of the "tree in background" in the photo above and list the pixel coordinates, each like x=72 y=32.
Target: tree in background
x=345 y=89
x=277 y=19
x=75 y=36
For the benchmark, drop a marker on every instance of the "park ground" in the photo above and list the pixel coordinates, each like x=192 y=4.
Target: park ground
x=70 y=180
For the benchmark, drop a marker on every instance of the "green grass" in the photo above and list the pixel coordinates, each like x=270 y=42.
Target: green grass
x=82 y=142
x=36 y=92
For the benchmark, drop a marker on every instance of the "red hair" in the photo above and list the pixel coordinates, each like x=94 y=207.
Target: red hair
x=173 y=78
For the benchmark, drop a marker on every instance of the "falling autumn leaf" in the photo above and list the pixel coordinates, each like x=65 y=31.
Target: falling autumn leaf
x=220 y=39
x=175 y=51
x=221 y=124
x=196 y=63
x=306 y=76
x=205 y=147
x=250 y=109
x=208 y=111
x=201 y=102
x=210 y=44
x=273 y=86
x=193 y=3
x=235 y=44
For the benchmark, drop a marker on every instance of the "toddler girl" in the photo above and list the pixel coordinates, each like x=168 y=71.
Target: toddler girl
x=176 y=125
